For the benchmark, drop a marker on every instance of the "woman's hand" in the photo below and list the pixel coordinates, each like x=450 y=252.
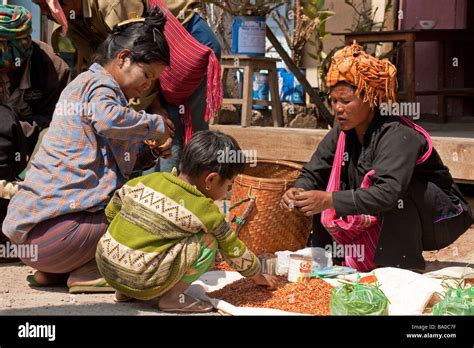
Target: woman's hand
x=265 y=280
x=288 y=199
x=158 y=109
x=313 y=202
x=170 y=127
x=163 y=150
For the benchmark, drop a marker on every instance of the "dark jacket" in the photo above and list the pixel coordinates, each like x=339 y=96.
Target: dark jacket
x=49 y=76
x=409 y=198
x=19 y=133
x=13 y=151
x=13 y=146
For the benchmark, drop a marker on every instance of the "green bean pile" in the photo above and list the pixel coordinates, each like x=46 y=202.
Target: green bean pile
x=358 y=299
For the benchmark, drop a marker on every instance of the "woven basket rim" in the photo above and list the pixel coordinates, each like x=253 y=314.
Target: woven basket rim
x=245 y=177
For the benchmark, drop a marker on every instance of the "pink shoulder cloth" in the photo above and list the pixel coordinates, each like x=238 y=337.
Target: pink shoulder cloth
x=359 y=231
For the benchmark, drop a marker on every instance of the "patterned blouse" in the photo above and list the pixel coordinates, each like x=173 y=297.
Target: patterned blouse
x=88 y=152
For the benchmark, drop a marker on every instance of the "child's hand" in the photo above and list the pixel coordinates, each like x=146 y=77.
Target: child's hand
x=265 y=280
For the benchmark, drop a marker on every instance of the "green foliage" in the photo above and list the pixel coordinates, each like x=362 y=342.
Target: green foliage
x=309 y=18
x=365 y=17
x=314 y=9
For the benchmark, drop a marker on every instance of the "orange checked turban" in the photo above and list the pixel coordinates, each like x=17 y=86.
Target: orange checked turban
x=375 y=77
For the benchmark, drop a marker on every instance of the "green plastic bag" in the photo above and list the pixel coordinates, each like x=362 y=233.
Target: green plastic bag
x=358 y=299
x=456 y=300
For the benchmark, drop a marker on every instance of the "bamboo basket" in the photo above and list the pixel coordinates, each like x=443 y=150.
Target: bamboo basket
x=268 y=228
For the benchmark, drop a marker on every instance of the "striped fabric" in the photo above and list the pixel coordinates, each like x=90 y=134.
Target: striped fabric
x=88 y=152
x=191 y=61
x=163 y=231
x=359 y=230
x=208 y=251
x=67 y=242
x=58 y=15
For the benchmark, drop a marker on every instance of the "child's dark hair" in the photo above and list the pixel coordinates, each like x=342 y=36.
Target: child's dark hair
x=205 y=152
x=145 y=40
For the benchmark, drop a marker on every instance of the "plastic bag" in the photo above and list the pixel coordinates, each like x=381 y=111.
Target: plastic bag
x=321 y=259
x=456 y=300
x=332 y=272
x=358 y=299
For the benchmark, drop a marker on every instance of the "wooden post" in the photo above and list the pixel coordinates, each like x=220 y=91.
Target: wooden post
x=80 y=62
x=410 y=68
x=441 y=95
x=247 y=95
x=277 y=112
x=315 y=98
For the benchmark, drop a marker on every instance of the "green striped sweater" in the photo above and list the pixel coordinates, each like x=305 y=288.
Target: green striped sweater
x=156 y=223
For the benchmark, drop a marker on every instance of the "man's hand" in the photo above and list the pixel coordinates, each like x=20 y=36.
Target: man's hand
x=313 y=202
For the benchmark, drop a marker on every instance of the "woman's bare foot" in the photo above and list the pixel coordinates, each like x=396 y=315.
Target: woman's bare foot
x=87 y=279
x=120 y=297
x=176 y=301
x=46 y=279
x=87 y=274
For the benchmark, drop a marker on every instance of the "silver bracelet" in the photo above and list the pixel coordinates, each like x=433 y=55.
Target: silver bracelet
x=156 y=157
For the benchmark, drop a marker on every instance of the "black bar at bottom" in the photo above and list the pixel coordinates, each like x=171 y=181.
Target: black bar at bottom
x=218 y=330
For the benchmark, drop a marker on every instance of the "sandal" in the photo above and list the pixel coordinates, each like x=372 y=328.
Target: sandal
x=100 y=286
x=190 y=308
x=9 y=259
x=60 y=280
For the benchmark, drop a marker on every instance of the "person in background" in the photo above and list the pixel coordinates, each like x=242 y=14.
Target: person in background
x=32 y=78
x=167 y=229
x=91 y=148
x=89 y=21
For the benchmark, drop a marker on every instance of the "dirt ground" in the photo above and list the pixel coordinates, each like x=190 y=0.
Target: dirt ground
x=18 y=298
